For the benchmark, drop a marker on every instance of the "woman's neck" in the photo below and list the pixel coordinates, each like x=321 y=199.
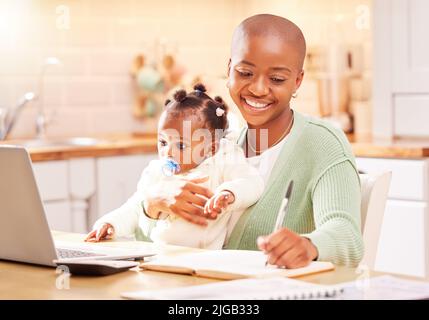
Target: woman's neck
x=270 y=133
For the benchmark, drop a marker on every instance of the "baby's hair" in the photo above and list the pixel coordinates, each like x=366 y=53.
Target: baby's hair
x=214 y=111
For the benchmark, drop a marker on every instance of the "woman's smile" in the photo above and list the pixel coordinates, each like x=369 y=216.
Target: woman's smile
x=256 y=105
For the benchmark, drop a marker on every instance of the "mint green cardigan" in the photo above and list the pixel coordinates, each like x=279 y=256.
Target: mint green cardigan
x=325 y=202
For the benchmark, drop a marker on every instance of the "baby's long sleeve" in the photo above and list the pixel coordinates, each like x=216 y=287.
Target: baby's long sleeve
x=125 y=218
x=239 y=177
x=128 y=216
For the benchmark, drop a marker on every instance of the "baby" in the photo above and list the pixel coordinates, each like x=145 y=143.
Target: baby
x=192 y=146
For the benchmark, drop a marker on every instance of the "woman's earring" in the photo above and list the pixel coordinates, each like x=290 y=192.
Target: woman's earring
x=294 y=95
x=227 y=84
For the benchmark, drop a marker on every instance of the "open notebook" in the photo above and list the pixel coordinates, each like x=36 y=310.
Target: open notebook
x=229 y=265
x=242 y=289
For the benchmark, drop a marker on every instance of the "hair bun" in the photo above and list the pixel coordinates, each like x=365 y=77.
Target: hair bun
x=179 y=95
x=200 y=87
x=218 y=99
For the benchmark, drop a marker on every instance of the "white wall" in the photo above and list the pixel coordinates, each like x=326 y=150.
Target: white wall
x=93 y=89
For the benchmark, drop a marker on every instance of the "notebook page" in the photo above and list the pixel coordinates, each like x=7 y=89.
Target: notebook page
x=248 y=263
x=243 y=289
x=227 y=261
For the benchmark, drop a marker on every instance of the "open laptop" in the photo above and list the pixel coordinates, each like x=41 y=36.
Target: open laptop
x=24 y=232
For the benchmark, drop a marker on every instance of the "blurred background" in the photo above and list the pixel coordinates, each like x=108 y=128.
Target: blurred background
x=106 y=66
x=97 y=72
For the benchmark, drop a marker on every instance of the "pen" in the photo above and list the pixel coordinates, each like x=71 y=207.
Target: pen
x=283 y=209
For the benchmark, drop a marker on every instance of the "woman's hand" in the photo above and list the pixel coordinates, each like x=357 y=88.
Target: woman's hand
x=287 y=249
x=188 y=204
x=104 y=232
x=217 y=203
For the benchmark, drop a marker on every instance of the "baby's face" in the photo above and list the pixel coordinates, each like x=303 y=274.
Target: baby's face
x=184 y=140
x=264 y=72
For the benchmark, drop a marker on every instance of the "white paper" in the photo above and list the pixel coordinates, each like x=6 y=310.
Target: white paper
x=380 y=288
x=385 y=288
x=243 y=289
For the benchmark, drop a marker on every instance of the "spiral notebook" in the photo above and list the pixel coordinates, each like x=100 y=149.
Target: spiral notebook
x=243 y=289
x=229 y=265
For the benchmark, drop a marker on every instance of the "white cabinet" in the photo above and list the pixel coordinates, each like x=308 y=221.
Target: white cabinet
x=59 y=215
x=403 y=246
x=410 y=46
x=82 y=189
x=117 y=179
x=52 y=179
x=401 y=68
x=409 y=177
x=66 y=188
x=411 y=115
x=404 y=240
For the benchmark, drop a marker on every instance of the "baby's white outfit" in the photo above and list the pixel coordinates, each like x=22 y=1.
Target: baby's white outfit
x=228 y=170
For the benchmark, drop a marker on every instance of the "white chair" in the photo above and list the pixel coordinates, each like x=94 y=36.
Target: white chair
x=374 y=189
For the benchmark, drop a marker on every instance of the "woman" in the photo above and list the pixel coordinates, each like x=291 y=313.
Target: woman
x=323 y=220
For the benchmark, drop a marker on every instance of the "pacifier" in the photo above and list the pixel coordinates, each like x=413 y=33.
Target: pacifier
x=170 y=167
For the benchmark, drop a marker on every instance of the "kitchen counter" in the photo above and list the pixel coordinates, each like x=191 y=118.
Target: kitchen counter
x=129 y=143
x=397 y=148
x=109 y=145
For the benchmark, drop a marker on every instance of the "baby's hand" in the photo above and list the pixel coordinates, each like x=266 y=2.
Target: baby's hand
x=217 y=203
x=104 y=232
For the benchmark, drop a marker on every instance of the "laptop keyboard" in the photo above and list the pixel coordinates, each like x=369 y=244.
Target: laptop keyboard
x=70 y=253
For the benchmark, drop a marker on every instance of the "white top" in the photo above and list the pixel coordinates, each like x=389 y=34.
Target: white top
x=228 y=169
x=264 y=162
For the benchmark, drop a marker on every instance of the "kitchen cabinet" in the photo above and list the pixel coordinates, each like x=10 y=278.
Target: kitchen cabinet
x=410 y=48
x=52 y=177
x=117 y=179
x=409 y=177
x=52 y=181
x=401 y=68
x=404 y=240
x=403 y=246
x=411 y=115
x=66 y=187
x=82 y=190
x=59 y=215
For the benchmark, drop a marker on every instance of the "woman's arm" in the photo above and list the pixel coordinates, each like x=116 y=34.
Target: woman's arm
x=337 y=237
x=187 y=203
x=336 y=207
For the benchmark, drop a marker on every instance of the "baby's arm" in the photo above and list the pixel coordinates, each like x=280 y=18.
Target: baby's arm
x=242 y=181
x=125 y=219
x=218 y=202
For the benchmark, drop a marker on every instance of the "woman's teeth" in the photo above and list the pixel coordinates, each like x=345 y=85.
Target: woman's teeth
x=255 y=104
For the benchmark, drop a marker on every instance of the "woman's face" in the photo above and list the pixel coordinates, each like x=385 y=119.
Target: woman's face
x=263 y=73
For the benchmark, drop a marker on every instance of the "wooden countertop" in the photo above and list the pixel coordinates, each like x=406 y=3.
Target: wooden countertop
x=24 y=281
x=396 y=148
x=109 y=145
x=129 y=143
